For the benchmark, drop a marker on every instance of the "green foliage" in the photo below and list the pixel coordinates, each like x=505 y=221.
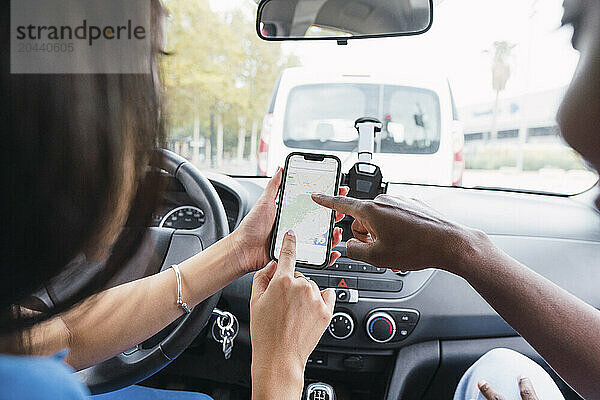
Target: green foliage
x=218 y=66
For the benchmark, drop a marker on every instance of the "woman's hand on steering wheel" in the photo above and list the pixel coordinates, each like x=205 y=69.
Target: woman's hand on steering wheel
x=252 y=237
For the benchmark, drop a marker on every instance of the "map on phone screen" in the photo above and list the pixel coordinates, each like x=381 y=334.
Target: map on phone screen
x=309 y=221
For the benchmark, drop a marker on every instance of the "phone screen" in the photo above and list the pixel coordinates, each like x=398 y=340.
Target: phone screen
x=310 y=222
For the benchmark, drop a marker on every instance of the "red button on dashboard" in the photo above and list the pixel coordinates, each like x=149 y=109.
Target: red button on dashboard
x=346 y=282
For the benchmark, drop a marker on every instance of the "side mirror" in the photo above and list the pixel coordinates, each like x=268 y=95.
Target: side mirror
x=342 y=19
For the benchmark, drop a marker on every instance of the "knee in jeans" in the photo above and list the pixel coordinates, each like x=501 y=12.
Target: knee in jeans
x=504 y=356
x=502 y=353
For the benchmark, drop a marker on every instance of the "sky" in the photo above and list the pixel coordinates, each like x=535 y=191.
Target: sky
x=459 y=47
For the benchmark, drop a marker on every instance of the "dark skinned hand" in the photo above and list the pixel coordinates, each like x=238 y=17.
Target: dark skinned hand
x=525 y=388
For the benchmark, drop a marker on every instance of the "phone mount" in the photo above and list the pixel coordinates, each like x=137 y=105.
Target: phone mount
x=365 y=179
x=367 y=128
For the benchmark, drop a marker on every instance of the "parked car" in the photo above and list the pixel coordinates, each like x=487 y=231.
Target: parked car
x=314 y=111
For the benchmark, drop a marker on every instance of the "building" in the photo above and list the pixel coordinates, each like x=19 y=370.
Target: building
x=529 y=118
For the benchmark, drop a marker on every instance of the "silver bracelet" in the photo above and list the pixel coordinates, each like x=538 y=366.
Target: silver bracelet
x=180 y=301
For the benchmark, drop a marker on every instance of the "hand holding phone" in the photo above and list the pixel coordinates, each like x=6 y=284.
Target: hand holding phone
x=303 y=175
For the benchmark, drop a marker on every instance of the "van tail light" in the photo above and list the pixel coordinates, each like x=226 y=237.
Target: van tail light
x=263 y=145
x=458 y=168
x=458 y=148
x=263 y=157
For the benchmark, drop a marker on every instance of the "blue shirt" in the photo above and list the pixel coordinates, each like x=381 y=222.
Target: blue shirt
x=39 y=378
x=49 y=378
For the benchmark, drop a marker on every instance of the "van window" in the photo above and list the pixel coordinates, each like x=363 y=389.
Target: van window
x=321 y=117
x=411 y=121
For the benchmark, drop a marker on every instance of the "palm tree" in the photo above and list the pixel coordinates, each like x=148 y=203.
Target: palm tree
x=500 y=75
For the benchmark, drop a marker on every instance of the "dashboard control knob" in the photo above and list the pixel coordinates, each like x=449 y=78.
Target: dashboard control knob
x=342 y=295
x=381 y=327
x=341 y=326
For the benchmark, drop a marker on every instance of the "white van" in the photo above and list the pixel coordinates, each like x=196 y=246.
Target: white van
x=314 y=111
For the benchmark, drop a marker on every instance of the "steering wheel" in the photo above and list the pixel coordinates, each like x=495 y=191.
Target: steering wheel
x=166 y=247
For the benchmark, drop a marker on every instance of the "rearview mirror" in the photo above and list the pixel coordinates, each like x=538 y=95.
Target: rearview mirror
x=342 y=19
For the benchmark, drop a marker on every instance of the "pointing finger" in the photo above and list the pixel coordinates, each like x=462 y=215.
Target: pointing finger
x=343 y=204
x=342 y=192
x=287 y=256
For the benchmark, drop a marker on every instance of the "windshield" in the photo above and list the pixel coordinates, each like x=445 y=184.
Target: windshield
x=470 y=103
x=322 y=116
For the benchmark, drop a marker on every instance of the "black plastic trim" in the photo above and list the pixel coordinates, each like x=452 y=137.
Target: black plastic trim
x=343 y=40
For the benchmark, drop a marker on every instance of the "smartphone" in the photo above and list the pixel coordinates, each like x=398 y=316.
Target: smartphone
x=303 y=175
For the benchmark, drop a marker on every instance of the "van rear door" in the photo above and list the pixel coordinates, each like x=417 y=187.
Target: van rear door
x=320 y=118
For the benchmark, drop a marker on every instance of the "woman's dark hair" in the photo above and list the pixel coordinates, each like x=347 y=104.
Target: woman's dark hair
x=69 y=143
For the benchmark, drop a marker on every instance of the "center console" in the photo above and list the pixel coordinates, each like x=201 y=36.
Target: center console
x=369 y=324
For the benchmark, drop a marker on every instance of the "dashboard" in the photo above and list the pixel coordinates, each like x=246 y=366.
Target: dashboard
x=399 y=335
x=178 y=211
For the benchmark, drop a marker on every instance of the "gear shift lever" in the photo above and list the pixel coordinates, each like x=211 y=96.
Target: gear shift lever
x=319 y=391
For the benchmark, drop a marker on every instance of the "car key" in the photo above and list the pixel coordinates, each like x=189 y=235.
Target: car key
x=228 y=327
x=225 y=324
x=227 y=347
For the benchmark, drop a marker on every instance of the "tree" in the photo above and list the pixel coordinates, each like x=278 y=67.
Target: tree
x=500 y=76
x=220 y=74
x=198 y=76
x=263 y=62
